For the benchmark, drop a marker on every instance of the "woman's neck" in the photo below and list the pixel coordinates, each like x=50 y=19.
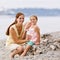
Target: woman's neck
x=18 y=25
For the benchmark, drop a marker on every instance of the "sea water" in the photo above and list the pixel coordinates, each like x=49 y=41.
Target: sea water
x=46 y=24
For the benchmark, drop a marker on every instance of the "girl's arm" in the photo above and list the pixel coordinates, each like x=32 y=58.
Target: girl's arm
x=37 y=30
x=27 y=25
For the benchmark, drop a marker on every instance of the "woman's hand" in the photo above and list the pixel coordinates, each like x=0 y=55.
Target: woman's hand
x=26 y=40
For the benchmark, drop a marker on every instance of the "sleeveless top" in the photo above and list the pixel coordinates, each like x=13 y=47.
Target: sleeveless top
x=33 y=34
x=9 y=38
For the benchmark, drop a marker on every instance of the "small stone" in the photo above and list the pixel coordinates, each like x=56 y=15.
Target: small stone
x=57 y=40
x=16 y=56
x=53 y=47
x=57 y=44
x=45 y=40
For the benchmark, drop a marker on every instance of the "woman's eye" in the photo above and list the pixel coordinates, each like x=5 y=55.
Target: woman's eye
x=21 y=18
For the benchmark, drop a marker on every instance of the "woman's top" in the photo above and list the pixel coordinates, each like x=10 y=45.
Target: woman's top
x=10 y=39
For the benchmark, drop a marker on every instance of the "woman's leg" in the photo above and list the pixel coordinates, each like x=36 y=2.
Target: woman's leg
x=19 y=50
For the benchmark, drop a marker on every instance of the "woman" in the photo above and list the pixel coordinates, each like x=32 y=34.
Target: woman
x=15 y=34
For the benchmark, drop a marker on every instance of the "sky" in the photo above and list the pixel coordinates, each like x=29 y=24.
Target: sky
x=29 y=4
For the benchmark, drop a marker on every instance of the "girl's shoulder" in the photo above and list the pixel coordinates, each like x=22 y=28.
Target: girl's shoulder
x=37 y=28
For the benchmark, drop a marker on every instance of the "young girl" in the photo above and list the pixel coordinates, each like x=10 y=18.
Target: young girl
x=33 y=34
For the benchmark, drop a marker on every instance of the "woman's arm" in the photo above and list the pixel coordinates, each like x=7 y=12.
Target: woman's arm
x=23 y=35
x=15 y=38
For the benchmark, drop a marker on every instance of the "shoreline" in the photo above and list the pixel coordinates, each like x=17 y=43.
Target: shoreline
x=49 y=49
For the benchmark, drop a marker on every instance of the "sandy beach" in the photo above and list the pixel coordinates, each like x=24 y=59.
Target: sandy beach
x=49 y=49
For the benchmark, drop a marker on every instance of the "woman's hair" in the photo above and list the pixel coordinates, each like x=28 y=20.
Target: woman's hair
x=17 y=15
x=35 y=17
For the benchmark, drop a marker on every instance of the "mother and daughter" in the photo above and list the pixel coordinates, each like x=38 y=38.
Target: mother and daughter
x=19 y=34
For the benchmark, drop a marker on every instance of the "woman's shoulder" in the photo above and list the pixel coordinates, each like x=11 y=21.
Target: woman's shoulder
x=12 y=27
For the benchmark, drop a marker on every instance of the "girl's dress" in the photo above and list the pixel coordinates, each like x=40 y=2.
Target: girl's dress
x=33 y=35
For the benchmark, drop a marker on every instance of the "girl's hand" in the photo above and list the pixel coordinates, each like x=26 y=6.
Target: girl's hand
x=27 y=25
x=25 y=29
x=29 y=37
x=37 y=43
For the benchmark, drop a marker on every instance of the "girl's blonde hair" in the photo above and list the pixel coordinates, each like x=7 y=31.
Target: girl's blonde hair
x=35 y=17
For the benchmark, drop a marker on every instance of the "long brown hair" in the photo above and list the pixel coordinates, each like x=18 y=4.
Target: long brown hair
x=17 y=15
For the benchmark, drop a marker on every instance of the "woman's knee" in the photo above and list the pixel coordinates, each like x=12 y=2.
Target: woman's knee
x=20 y=48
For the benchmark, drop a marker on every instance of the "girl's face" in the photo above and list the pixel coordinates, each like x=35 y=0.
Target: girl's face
x=33 y=20
x=20 y=19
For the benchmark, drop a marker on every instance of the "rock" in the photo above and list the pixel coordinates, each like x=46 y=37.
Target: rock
x=57 y=44
x=49 y=49
x=45 y=35
x=53 y=47
x=57 y=40
x=45 y=40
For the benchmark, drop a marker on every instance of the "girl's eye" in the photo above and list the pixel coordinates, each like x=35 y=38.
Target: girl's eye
x=32 y=19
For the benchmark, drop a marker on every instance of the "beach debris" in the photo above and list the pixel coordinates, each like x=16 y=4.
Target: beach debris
x=49 y=49
x=53 y=47
x=45 y=35
x=57 y=44
x=57 y=40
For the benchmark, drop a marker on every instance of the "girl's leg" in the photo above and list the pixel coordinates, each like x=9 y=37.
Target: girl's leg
x=26 y=50
x=29 y=45
x=19 y=50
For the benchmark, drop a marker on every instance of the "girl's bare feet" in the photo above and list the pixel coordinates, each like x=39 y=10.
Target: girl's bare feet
x=23 y=54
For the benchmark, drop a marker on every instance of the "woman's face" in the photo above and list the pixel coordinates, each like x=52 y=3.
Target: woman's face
x=20 y=19
x=33 y=20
